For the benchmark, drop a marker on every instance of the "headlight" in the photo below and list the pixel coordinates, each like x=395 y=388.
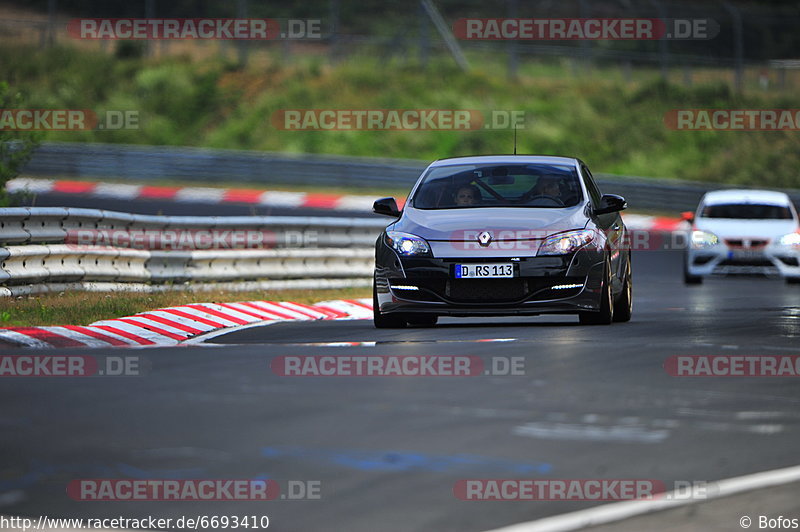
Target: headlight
x=566 y=243
x=407 y=244
x=792 y=239
x=702 y=239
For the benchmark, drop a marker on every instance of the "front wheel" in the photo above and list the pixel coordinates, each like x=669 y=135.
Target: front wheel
x=687 y=277
x=384 y=321
x=692 y=279
x=623 y=308
x=606 y=314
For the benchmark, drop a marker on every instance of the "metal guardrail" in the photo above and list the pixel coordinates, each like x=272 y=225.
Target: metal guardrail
x=59 y=245
x=38 y=225
x=144 y=163
x=65 y=263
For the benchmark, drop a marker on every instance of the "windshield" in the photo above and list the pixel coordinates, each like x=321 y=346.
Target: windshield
x=498 y=185
x=747 y=211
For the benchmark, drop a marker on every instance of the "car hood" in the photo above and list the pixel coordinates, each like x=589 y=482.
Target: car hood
x=727 y=228
x=454 y=232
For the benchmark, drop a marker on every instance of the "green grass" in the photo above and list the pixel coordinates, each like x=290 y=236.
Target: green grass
x=615 y=125
x=73 y=308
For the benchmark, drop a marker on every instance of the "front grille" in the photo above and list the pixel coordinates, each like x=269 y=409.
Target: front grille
x=789 y=261
x=746 y=270
x=486 y=289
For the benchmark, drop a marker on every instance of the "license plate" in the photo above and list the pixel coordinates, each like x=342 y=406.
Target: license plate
x=483 y=271
x=745 y=254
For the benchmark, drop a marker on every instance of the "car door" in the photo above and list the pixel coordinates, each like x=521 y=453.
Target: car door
x=610 y=224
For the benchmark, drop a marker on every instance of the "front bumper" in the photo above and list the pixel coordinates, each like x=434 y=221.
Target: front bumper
x=567 y=284
x=770 y=261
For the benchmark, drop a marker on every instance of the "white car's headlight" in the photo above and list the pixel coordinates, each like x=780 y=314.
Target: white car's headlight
x=566 y=243
x=408 y=245
x=792 y=239
x=703 y=239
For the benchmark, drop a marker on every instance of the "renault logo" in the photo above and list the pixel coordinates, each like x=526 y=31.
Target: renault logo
x=485 y=238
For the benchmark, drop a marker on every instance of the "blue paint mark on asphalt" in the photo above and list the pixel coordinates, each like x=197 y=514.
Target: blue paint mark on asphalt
x=39 y=471
x=398 y=461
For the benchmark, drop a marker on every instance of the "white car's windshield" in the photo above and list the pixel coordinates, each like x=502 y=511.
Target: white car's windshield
x=747 y=211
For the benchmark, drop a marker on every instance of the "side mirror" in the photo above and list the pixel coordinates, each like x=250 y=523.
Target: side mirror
x=611 y=203
x=687 y=216
x=387 y=207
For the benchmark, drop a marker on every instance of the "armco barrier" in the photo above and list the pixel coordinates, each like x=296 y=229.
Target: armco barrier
x=65 y=263
x=39 y=249
x=50 y=225
x=147 y=163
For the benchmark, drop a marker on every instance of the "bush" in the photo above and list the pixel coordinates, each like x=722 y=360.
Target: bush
x=15 y=146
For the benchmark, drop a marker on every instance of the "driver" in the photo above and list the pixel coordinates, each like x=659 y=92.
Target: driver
x=547 y=186
x=467 y=195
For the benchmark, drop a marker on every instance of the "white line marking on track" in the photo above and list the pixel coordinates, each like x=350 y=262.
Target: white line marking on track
x=572 y=431
x=610 y=513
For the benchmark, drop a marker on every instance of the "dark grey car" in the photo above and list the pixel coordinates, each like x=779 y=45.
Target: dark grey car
x=503 y=235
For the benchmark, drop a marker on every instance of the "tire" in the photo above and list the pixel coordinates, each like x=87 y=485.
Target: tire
x=692 y=279
x=793 y=280
x=422 y=320
x=606 y=314
x=623 y=308
x=689 y=278
x=384 y=321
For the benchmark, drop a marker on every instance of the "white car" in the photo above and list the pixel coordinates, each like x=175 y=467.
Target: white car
x=743 y=232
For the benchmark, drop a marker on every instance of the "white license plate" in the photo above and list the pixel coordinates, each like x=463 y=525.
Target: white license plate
x=483 y=271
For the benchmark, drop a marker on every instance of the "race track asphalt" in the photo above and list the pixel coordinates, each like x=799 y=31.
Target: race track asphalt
x=592 y=402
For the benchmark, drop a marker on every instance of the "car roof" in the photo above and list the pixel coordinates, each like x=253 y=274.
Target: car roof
x=766 y=197
x=506 y=159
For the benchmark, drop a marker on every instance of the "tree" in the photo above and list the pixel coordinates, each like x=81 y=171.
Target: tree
x=16 y=147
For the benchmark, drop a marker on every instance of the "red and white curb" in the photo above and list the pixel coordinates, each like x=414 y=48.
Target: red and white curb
x=656 y=224
x=175 y=325
x=271 y=198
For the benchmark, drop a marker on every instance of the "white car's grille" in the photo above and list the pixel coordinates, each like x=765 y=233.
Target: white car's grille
x=744 y=243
